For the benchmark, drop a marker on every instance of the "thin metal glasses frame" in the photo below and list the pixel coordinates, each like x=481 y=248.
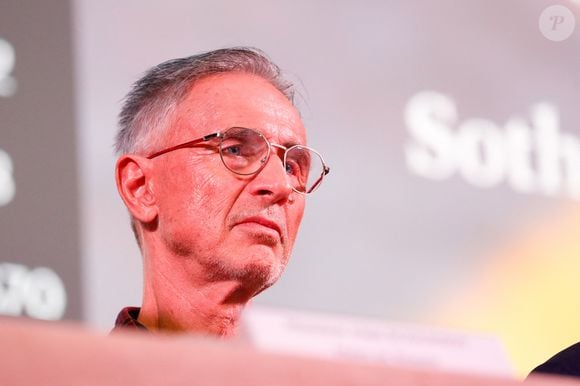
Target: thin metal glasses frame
x=222 y=134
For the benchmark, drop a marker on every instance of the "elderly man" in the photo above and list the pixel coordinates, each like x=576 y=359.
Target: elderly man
x=214 y=171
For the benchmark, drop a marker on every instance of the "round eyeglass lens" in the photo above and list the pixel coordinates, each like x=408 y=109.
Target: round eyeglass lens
x=244 y=151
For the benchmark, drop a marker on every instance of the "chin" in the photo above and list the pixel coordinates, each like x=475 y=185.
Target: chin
x=256 y=268
x=260 y=272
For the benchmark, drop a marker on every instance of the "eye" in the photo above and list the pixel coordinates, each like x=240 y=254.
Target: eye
x=232 y=150
x=292 y=167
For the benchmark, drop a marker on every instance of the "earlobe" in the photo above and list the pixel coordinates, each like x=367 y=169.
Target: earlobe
x=133 y=176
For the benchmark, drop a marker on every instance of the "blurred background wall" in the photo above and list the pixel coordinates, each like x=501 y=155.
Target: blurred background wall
x=40 y=246
x=451 y=127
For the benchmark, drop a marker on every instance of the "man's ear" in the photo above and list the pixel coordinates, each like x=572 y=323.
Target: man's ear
x=133 y=175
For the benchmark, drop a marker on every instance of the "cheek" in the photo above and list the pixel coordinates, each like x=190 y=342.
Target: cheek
x=210 y=198
x=193 y=213
x=294 y=216
x=190 y=192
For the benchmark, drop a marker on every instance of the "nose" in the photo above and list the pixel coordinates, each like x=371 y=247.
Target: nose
x=272 y=182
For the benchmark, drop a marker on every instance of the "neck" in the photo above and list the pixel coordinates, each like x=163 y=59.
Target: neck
x=214 y=309
x=178 y=296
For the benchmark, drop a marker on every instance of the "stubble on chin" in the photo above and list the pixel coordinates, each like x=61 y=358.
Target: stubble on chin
x=254 y=275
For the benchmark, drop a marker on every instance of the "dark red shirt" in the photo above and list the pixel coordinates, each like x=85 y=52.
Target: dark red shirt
x=127 y=320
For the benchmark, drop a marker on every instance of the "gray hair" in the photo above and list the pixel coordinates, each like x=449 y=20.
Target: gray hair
x=150 y=105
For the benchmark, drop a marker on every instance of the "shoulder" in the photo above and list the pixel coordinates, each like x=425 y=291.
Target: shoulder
x=566 y=362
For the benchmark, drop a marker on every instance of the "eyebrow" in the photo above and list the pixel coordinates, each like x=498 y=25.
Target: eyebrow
x=290 y=143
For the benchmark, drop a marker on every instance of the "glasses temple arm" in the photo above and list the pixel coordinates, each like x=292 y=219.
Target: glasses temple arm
x=184 y=145
x=325 y=171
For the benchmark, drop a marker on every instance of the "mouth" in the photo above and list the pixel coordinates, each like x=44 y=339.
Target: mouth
x=262 y=222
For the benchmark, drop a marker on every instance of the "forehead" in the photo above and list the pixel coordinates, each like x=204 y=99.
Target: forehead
x=221 y=101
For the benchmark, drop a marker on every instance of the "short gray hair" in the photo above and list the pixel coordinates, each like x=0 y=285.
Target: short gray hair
x=149 y=106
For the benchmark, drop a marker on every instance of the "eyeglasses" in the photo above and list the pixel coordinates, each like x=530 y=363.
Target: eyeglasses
x=246 y=151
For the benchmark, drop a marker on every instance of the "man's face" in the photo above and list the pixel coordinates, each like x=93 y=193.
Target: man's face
x=233 y=227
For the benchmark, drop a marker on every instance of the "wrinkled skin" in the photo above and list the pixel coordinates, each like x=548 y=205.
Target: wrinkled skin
x=211 y=239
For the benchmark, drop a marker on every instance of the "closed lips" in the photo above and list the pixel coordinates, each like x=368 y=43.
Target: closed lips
x=264 y=222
